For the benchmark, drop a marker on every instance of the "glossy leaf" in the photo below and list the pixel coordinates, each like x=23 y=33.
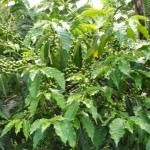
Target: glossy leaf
x=65 y=130
x=116 y=77
x=8 y=127
x=26 y=128
x=44 y=51
x=65 y=38
x=77 y=55
x=103 y=70
x=33 y=105
x=88 y=126
x=72 y=110
x=138 y=80
x=40 y=41
x=38 y=135
x=94 y=113
x=18 y=126
x=92 y=12
x=142 y=123
x=38 y=124
x=117 y=129
x=59 y=98
x=56 y=74
x=34 y=83
x=124 y=67
x=93 y=90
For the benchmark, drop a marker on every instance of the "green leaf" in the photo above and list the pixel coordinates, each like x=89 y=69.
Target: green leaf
x=104 y=39
x=107 y=92
x=88 y=102
x=145 y=73
x=63 y=58
x=142 y=123
x=88 y=126
x=38 y=124
x=71 y=135
x=38 y=135
x=143 y=30
x=65 y=130
x=40 y=130
x=138 y=80
x=124 y=67
x=8 y=127
x=26 y=128
x=44 y=51
x=90 y=53
x=76 y=123
x=94 y=113
x=130 y=33
x=56 y=74
x=116 y=77
x=33 y=105
x=129 y=125
x=3 y=114
x=40 y=41
x=65 y=38
x=61 y=129
x=138 y=17
x=3 y=84
x=148 y=145
x=103 y=70
x=77 y=54
x=59 y=98
x=18 y=126
x=117 y=129
x=72 y=110
x=92 y=12
x=34 y=83
x=93 y=90
x=99 y=136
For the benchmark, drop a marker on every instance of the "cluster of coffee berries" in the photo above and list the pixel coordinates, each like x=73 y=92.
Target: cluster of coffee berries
x=10 y=66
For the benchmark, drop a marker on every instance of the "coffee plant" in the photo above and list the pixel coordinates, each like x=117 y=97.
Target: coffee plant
x=74 y=77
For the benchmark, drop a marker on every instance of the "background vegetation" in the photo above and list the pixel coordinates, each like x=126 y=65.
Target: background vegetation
x=73 y=77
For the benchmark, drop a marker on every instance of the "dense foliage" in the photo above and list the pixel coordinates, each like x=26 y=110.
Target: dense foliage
x=73 y=77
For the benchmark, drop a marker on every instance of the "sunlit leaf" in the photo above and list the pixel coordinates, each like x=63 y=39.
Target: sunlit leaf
x=18 y=126
x=26 y=128
x=92 y=12
x=8 y=127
